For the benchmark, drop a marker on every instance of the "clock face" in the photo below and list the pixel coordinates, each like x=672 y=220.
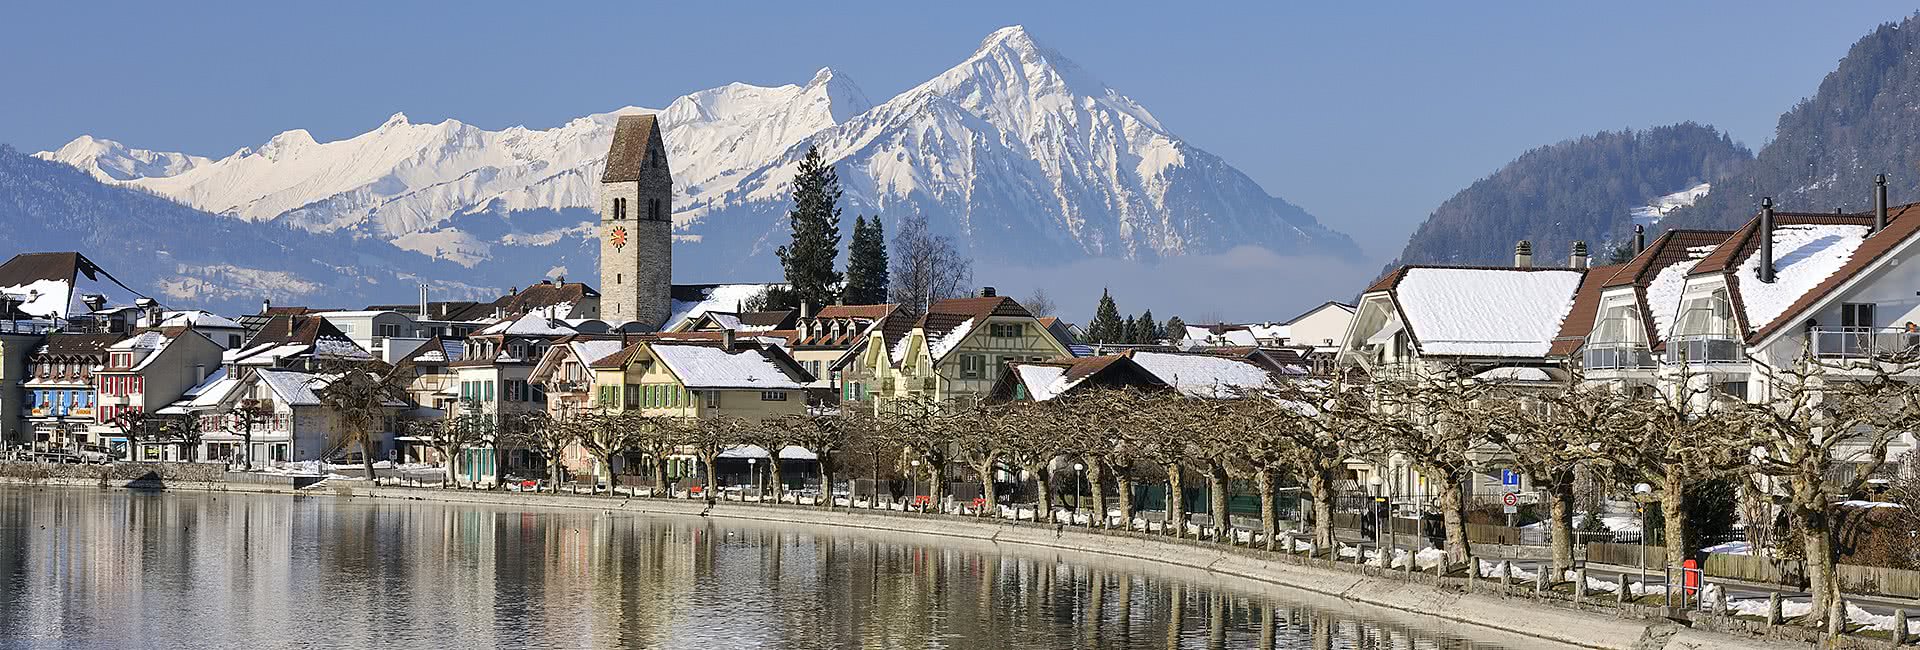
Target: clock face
x=618 y=236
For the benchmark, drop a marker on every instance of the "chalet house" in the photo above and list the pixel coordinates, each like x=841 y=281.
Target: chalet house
x=750 y=322
x=58 y=384
x=146 y=372
x=228 y=333
x=303 y=342
x=956 y=351
x=700 y=379
x=565 y=372
x=822 y=339
x=298 y=425
x=435 y=384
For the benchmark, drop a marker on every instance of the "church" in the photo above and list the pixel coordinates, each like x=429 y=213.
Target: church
x=636 y=226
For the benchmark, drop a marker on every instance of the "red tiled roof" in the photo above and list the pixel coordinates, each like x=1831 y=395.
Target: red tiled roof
x=1666 y=250
x=1902 y=223
x=868 y=312
x=1586 y=304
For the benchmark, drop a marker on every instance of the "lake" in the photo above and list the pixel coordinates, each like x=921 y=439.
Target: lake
x=88 y=568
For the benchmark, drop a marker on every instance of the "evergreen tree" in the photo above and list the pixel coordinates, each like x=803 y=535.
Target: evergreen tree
x=1174 y=329
x=1105 y=327
x=867 y=263
x=815 y=221
x=1149 y=331
x=1128 y=331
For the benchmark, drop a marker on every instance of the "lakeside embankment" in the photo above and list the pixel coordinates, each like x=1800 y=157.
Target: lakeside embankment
x=1573 y=619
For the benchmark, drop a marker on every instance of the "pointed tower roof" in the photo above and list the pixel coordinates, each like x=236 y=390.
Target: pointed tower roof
x=633 y=140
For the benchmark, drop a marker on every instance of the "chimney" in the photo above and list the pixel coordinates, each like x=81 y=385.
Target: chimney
x=94 y=301
x=423 y=303
x=513 y=291
x=1639 y=239
x=987 y=292
x=266 y=305
x=726 y=339
x=1578 y=259
x=1523 y=254
x=1879 y=202
x=290 y=326
x=560 y=280
x=199 y=374
x=1766 y=239
x=806 y=309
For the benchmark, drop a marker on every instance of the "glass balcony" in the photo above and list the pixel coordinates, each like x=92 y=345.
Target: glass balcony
x=1886 y=343
x=1616 y=356
x=1704 y=348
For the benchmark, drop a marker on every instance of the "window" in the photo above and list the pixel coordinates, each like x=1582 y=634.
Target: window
x=653 y=209
x=972 y=365
x=633 y=396
x=389 y=330
x=1734 y=389
x=1856 y=314
x=487 y=386
x=773 y=396
x=1007 y=330
x=713 y=398
x=233 y=341
x=619 y=208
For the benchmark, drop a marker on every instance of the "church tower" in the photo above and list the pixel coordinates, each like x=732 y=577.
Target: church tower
x=636 y=226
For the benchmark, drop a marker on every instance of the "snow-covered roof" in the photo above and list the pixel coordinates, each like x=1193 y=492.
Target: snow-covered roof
x=1514 y=374
x=588 y=352
x=200 y=319
x=354 y=314
x=1663 y=294
x=700 y=366
x=535 y=324
x=789 y=452
x=293 y=388
x=724 y=297
x=1202 y=335
x=206 y=396
x=1270 y=331
x=1043 y=382
x=265 y=354
x=1203 y=375
x=1486 y=312
x=946 y=343
x=1803 y=257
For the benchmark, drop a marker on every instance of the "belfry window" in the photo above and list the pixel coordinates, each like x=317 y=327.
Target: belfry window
x=619 y=208
x=653 y=209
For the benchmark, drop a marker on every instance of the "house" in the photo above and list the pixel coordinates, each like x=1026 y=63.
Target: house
x=57 y=387
x=60 y=286
x=435 y=384
x=494 y=376
x=297 y=424
x=565 y=372
x=387 y=335
x=1039 y=381
x=1612 y=330
x=146 y=372
x=956 y=351
x=742 y=322
x=296 y=341
x=659 y=376
x=822 y=339
x=1067 y=334
x=226 y=332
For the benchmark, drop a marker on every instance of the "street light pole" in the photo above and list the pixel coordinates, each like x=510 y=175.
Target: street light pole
x=1640 y=505
x=753 y=477
x=913 y=496
x=1079 y=478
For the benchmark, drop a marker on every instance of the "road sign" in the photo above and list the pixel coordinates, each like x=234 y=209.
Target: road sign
x=1510 y=478
x=1513 y=509
x=1510 y=500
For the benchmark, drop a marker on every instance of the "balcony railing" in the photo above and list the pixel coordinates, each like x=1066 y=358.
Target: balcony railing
x=1617 y=356
x=1865 y=343
x=1704 y=348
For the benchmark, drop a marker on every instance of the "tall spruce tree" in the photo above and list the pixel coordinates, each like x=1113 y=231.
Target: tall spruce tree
x=1105 y=327
x=1128 y=331
x=1149 y=331
x=815 y=221
x=1174 y=329
x=867 y=263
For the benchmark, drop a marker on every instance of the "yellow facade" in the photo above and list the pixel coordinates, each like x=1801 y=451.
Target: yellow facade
x=644 y=384
x=967 y=371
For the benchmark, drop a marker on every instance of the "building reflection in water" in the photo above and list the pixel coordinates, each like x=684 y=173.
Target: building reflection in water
x=126 y=569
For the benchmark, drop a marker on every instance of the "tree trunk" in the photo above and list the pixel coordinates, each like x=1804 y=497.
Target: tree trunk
x=1043 y=503
x=366 y=453
x=1217 y=502
x=713 y=480
x=1673 y=507
x=1459 y=552
x=1124 y=484
x=1097 y=484
x=773 y=476
x=826 y=481
x=451 y=464
x=1176 y=506
x=988 y=500
x=1269 y=516
x=1823 y=589
x=1320 y=485
x=660 y=475
x=1560 y=509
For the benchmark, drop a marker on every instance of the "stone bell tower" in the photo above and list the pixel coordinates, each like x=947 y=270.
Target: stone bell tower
x=636 y=226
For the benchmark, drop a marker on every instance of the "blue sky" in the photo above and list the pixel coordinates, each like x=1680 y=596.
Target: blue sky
x=1366 y=115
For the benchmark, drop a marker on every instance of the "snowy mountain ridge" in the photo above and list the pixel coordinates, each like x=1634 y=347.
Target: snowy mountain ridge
x=1018 y=150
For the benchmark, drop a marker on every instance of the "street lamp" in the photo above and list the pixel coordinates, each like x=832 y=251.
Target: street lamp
x=1374 y=479
x=752 y=476
x=1079 y=477
x=914 y=495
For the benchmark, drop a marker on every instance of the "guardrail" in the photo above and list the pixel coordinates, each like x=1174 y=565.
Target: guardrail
x=1864 y=342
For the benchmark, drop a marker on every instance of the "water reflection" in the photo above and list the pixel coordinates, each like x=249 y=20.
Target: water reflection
x=88 y=568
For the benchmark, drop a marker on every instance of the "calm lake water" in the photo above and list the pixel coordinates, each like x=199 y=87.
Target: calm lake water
x=118 y=569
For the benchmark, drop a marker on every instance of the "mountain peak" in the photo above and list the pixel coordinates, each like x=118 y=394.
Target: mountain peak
x=1012 y=36
x=397 y=119
x=844 y=98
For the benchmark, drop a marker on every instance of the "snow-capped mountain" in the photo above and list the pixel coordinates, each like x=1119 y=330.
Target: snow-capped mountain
x=1016 y=149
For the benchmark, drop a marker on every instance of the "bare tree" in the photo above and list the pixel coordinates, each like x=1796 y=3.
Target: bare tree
x=1438 y=422
x=361 y=393
x=1159 y=428
x=468 y=426
x=1039 y=303
x=914 y=424
x=825 y=435
x=607 y=435
x=1823 y=430
x=773 y=435
x=539 y=431
x=1555 y=432
x=1685 y=434
x=707 y=438
x=247 y=413
x=927 y=267
x=1313 y=427
x=980 y=438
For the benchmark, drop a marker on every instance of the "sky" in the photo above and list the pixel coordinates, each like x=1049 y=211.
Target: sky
x=1367 y=115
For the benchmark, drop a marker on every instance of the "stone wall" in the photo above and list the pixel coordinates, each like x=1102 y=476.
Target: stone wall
x=133 y=475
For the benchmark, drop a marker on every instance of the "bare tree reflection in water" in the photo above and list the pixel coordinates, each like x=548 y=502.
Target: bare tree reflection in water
x=96 y=568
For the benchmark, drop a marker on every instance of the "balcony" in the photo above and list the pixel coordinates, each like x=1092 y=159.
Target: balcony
x=1617 y=356
x=1704 y=348
x=1884 y=343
